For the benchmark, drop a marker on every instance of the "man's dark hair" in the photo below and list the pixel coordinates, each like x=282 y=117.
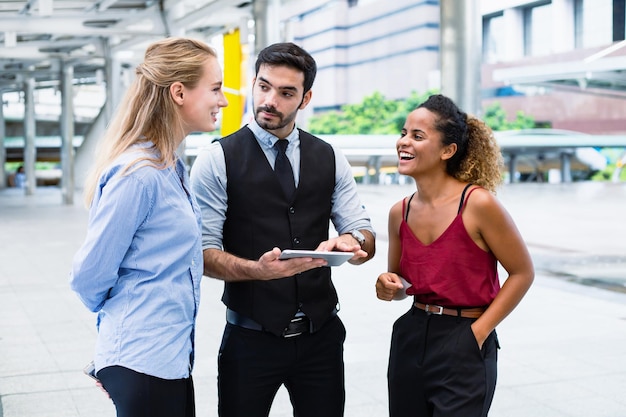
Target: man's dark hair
x=289 y=55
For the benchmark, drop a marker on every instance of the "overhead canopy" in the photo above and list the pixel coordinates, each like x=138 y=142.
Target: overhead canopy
x=38 y=36
x=596 y=74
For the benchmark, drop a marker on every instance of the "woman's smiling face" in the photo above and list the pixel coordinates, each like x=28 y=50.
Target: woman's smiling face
x=419 y=146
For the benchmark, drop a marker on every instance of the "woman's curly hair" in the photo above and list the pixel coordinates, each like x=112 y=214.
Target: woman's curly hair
x=478 y=159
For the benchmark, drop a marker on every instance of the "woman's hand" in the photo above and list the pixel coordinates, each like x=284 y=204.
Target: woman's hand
x=99 y=385
x=390 y=286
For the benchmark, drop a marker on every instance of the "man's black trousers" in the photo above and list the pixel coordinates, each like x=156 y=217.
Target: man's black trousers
x=254 y=364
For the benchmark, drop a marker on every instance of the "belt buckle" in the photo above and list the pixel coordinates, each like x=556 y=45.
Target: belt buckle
x=295 y=320
x=428 y=306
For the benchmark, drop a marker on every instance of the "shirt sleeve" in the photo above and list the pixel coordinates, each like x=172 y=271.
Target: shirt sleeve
x=347 y=213
x=119 y=208
x=208 y=181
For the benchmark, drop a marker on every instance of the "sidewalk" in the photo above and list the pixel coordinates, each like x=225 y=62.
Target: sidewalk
x=563 y=349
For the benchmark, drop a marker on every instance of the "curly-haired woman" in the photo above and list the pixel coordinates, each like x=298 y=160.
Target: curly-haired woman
x=445 y=242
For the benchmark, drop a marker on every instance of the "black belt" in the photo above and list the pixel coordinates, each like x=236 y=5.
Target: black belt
x=297 y=326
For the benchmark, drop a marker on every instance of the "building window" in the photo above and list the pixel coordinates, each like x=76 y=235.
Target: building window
x=619 y=20
x=493 y=41
x=538 y=30
x=593 y=20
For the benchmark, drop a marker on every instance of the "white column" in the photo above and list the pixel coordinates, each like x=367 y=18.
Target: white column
x=30 y=151
x=461 y=40
x=563 y=26
x=114 y=81
x=67 y=133
x=514 y=35
x=3 y=152
x=266 y=15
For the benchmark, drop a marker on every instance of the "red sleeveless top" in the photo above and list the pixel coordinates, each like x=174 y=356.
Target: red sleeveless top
x=452 y=271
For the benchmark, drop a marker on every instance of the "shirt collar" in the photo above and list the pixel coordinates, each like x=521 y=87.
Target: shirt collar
x=266 y=138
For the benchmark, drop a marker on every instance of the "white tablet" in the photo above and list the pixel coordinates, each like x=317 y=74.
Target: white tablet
x=333 y=258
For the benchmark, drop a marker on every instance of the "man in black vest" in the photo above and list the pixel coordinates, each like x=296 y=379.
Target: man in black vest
x=258 y=198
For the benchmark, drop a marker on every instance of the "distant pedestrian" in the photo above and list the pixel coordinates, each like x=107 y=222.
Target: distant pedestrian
x=445 y=242
x=20 y=177
x=141 y=263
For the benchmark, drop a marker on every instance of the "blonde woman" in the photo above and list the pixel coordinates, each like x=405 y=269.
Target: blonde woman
x=141 y=263
x=445 y=241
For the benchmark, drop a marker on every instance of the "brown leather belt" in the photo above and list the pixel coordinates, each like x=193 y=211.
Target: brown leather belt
x=471 y=313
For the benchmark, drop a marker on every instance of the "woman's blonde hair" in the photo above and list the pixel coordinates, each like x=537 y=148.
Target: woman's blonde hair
x=147 y=113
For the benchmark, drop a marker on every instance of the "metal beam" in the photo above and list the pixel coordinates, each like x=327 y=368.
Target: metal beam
x=210 y=10
x=74 y=25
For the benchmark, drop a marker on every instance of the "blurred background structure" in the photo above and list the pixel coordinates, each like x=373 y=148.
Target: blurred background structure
x=64 y=64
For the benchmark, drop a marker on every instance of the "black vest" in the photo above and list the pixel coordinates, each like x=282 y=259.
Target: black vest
x=259 y=217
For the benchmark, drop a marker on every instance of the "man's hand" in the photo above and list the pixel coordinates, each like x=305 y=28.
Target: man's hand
x=343 y=243
x=270 y=267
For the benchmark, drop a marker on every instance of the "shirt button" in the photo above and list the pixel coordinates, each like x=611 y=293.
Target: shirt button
x=292 y=210
x=296 y=241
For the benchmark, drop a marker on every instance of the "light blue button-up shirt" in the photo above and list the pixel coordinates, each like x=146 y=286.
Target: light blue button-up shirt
x=208 y=179
x=140 y=268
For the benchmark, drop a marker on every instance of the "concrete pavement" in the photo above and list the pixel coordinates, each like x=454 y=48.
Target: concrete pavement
x=563 y=349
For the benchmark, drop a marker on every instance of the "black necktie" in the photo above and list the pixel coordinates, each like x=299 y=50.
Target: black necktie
x=283 y=169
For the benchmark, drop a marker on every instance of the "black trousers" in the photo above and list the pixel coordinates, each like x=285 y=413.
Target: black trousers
x=436 y=368
x=254 y=364
x=139 y=395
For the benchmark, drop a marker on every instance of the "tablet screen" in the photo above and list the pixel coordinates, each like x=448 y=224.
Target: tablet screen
x=333 y=258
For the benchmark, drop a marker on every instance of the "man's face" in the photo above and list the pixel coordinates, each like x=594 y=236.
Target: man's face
x=278 y=94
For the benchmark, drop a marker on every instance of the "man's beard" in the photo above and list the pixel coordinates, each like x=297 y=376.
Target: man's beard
x=282 y=120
